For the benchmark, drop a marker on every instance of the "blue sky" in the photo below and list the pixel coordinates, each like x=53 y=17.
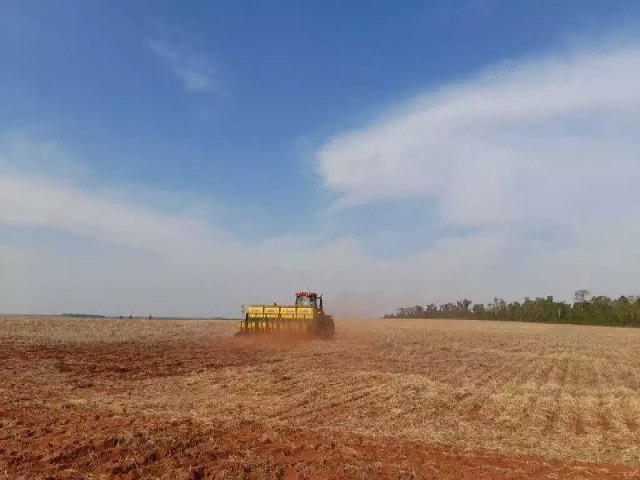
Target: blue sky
x=377 y=150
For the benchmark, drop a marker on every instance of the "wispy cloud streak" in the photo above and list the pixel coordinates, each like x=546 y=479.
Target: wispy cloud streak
x=194 y=70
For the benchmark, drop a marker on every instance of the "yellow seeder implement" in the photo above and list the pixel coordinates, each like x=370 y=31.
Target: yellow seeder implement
x=306 y=316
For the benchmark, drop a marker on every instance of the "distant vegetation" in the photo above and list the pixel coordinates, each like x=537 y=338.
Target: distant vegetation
x=585 y=310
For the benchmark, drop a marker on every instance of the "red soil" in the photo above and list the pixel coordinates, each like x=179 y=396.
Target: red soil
x=45 y=435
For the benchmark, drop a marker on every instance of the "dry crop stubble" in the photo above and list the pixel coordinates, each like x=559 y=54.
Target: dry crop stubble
x=557 y=392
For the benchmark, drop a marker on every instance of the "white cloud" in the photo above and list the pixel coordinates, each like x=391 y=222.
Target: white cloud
x=32 y=202
x=194 y=70
x=547 y=140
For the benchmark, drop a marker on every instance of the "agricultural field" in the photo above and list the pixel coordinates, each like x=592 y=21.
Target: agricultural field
x=384 y=399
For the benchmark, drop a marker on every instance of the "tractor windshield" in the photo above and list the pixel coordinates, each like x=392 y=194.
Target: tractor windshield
x=304 y=301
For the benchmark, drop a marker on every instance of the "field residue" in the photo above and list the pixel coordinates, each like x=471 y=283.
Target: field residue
x=401 y=398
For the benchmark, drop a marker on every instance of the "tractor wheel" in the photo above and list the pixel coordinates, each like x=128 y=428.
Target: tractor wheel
x=328 y=329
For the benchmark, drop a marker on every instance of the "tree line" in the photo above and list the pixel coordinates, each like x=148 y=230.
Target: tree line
x=585 y=310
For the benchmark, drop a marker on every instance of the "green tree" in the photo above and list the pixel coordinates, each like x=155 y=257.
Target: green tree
x=581 y=295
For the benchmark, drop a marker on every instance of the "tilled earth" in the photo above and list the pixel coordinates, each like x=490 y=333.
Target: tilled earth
x=187 y=400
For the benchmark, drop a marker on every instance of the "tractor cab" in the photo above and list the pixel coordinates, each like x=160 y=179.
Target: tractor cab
x=309 y=299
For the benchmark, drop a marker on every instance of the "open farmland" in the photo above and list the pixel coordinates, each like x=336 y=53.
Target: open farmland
x=385 y=398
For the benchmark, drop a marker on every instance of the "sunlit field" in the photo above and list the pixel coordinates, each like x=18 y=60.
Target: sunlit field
x=393 y=398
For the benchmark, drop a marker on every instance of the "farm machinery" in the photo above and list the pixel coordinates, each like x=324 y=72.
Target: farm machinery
x=306 y=316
